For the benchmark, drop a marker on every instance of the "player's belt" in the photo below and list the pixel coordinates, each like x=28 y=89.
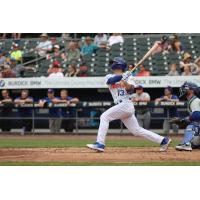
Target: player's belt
x=120 y=101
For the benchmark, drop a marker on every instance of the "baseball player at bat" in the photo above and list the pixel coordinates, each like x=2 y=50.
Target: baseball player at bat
x=121 y=86
x=191 y=139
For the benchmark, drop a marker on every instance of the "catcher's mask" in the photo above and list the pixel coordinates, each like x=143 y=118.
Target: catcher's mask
x=186 y=87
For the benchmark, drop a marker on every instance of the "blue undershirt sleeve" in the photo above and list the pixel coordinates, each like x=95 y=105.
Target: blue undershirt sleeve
x=114 y=79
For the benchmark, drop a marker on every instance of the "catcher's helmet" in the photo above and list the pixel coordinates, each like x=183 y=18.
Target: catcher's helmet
x=119 y=63
x=188 y=86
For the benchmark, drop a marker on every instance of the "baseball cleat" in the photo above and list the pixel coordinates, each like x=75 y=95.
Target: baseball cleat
x=165 y=144
x=184 y=147
x=96 y=146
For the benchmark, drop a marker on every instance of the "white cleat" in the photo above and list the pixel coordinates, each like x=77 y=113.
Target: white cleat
x=165 y=144
x=96 y=146
x=183 y=147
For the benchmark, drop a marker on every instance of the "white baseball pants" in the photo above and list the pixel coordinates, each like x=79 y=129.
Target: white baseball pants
x=126 y=112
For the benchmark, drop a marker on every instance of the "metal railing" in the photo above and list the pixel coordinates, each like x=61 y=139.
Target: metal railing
x=33 y=112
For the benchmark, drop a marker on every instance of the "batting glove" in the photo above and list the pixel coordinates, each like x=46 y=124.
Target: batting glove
x=126 y=75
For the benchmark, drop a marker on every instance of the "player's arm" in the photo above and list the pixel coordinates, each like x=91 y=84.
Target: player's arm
x=159 y=99
x=175 y=99
x=128 y=87
x=29 y=100
x=74 y=100
x=41 y=102
x=19 y=101
x=114 y=79
x=6 y=101
x=146 y=99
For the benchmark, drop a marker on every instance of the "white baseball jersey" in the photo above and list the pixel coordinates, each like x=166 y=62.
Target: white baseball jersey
x=118 y=91
x=194 y=104
x=124 y=110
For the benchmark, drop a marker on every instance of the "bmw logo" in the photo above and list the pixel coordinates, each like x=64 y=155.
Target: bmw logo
x=2 y=83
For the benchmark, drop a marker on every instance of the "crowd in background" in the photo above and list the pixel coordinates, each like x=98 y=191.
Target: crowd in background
x=11 y=62
x=49 y=48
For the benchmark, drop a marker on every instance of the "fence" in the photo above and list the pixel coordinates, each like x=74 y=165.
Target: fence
x=82 y=115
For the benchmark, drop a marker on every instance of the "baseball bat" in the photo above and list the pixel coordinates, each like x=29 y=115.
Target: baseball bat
x=147 y=55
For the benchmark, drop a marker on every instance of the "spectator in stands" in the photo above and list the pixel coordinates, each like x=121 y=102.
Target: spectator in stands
x=143 y=71
x=16 y=52
x=57 y=54
x=16 y=36
x=101 y=40
x=89 y=47
x=187 y=71
x=143 y=114
x=54 y=112
x=115 y=38
x=176 y=44
x=72 y=70
x=6 y=110
x=69 y=111
x=73 y=53
x=169 y=112
x=44 y=46
x=197 y=62
x=55 y=71
x=173 y=71
x=53 y=41
x=2 y=58
x=188 y=63
x=83 y=71
x=7 y=72
x=65 y=36
x=3 y=37
x=25 y=113
x=19 y=69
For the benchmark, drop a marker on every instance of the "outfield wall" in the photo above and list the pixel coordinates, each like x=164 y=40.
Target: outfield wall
x=92 y=82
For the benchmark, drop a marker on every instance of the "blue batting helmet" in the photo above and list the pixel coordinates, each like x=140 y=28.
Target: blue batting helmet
x=188 y=86
x=119 y=63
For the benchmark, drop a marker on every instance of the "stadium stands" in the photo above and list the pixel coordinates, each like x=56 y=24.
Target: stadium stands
x=133 y=48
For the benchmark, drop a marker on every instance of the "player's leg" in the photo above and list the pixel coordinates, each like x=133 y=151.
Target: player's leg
x=166 y=127
x=175 y=128
x=140 y=120
x=195 y=142
x=147 y=120
x=132 y=124
x=191 y=130
x=116 y=112
x=51 y=125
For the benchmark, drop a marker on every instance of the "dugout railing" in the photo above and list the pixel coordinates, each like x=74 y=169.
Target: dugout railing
x=85 y=114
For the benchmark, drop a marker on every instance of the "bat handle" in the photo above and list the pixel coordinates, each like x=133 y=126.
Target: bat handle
x=135 y=67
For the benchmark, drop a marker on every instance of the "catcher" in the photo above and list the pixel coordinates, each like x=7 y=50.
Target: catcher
x=191 y=139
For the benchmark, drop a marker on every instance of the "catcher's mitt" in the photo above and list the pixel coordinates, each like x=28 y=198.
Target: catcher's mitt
x=182 y=123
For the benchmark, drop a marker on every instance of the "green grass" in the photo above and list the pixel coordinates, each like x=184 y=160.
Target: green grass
x=63 y=143
x=45 y=143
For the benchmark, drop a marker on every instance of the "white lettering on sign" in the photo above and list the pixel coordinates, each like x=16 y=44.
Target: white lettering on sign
x=93 y=82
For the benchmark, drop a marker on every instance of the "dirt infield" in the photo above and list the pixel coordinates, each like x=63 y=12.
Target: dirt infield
x=80 y=154
x=112 y=155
